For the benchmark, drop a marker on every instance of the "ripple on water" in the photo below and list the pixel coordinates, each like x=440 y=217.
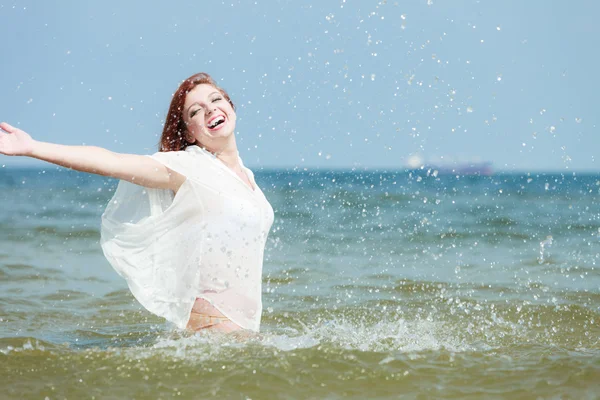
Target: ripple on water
x=18 y=272
x=66 y=295
x=64 y=233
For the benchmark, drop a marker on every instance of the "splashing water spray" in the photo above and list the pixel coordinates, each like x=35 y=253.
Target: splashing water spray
x=543 y=244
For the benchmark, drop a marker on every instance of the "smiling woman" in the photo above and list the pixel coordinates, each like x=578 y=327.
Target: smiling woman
x=187 y=226
x=189 y=99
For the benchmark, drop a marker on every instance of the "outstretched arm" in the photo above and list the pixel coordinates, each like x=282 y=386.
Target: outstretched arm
x=140 y=170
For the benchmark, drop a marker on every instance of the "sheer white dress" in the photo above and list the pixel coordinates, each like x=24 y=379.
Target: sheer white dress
x=205 y=242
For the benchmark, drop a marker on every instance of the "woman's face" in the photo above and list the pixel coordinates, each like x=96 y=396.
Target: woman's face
x=208 y=115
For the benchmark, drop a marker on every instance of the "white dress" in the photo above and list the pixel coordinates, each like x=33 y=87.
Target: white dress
x=205 y=242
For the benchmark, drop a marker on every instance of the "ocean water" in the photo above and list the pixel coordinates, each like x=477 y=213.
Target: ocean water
x=378 y=285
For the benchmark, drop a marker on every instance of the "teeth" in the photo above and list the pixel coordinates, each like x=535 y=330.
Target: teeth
x=216 y=121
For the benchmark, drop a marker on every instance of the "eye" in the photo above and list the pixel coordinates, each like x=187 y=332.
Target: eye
x=194 y=112
x=217 y=99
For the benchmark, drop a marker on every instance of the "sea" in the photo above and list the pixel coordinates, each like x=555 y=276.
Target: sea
x=376 y=285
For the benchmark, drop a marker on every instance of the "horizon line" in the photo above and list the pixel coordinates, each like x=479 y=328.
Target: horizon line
x=342 y=169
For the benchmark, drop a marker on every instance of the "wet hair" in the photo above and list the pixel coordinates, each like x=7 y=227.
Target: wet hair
x=174 y=136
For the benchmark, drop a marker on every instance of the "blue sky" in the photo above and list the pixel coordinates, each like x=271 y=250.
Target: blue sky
x=327 y=84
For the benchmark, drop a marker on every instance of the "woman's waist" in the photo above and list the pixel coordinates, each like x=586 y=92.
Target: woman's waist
x=204 y=307
x=240 y=305
x=206 y=316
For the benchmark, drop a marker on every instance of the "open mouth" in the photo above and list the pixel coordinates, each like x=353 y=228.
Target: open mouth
x=215 y=122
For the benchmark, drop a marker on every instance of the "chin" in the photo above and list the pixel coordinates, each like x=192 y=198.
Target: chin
x=220 y=134
x=224 y=132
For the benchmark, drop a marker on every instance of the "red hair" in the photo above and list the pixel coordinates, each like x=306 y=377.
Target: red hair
x=174 y=133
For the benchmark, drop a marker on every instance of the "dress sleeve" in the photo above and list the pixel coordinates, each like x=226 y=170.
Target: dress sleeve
x=154 y=240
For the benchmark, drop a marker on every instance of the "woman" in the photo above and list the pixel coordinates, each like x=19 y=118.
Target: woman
x=187 y=226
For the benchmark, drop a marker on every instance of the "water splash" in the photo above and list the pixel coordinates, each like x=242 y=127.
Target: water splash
x=397 y=336
x=543 y=245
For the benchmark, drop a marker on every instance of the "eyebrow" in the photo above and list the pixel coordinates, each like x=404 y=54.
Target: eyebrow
x=196 y=103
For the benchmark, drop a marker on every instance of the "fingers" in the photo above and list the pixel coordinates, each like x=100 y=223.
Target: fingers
x=8 y=128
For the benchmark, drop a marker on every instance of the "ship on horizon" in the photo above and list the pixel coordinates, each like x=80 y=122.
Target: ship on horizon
x=416 y=163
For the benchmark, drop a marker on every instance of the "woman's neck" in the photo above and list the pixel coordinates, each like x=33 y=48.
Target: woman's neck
x=227 y=152
x=229 y=157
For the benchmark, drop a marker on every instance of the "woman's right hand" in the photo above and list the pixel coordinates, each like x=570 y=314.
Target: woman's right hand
x=14 y=141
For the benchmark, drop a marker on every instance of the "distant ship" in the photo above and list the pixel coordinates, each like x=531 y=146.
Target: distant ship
x=482 y=168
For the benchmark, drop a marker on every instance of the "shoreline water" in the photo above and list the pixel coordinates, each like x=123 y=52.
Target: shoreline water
x=375 y=285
